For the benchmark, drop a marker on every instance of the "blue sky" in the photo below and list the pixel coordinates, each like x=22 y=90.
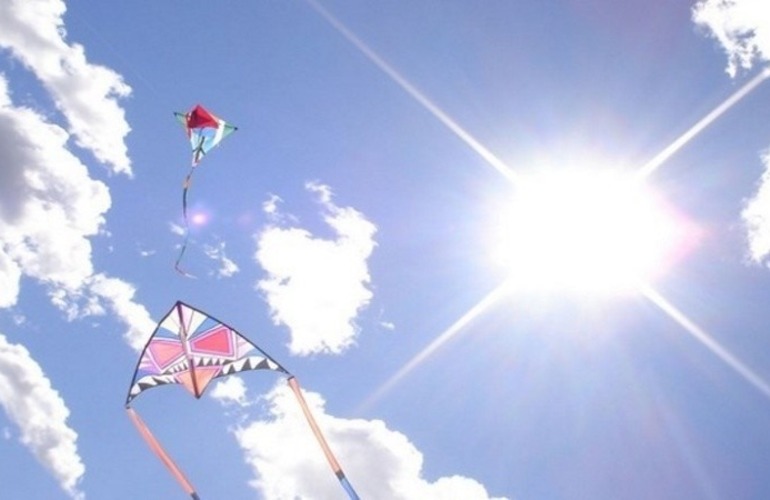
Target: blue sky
x=353 y=228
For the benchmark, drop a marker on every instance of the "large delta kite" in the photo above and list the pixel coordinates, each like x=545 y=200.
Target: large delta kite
x=191 y=348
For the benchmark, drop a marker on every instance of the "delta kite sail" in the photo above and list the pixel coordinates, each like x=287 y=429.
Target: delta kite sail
x=191 y=348
x=205 y=131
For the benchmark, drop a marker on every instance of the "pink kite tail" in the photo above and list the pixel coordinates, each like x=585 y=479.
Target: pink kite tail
x=161 y=454
x=322 y=441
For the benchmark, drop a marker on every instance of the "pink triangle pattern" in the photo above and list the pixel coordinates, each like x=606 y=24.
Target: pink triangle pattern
x=163 y=353
x=219 y=341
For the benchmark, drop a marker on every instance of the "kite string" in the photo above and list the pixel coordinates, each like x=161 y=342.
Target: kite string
x=164 y=457
x=294 y=384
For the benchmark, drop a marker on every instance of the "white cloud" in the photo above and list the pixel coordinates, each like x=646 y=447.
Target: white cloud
x=270 y=206
x=742 y=28
x=231 y=390
x=177 y=229
x=10 y=276
x=756 y=217
x=39 y=412
x=380 y=463
x=216 y=253
x=49 y=209
x=316 y=286
x=119 y=297
x=49 y=205
x=86 y=94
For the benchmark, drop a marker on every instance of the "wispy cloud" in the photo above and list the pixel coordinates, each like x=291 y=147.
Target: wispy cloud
x=381 y=463
x=85 y=93
x=176 y=229
x=316 y=286
x=216 y=253
x=118 y=297
x=39 y=412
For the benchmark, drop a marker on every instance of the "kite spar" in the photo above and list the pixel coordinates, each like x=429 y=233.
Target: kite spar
x=191 y=348
x=205 y=131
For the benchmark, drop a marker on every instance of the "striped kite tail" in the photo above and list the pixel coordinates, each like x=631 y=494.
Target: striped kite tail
x=322 y=441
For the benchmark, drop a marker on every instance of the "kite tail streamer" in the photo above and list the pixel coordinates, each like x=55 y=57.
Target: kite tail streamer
x=322 y=441
x=186 y=187
x=161 y=454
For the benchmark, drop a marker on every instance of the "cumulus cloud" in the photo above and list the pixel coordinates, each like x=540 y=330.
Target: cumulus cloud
x=50 y=208
x=317 y=286
x=742 y=28
x=40 y=414
x=86 y=94
x=49 y=205
x=380 y=463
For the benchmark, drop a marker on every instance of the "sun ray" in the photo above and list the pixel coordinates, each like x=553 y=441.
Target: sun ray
x=708 y=341
x=704 y=122
x=647 y=169
x=439 y=341
x=410 y=89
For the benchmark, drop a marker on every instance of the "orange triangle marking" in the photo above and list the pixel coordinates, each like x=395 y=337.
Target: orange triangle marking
x=203 y=376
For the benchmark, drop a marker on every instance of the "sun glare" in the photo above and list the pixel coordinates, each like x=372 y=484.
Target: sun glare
x=584 y=231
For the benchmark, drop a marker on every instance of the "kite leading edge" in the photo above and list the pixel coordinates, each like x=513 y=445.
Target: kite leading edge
x=192 y=348
x=205 y=131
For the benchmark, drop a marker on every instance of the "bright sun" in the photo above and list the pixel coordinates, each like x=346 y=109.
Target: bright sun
x=581 y=231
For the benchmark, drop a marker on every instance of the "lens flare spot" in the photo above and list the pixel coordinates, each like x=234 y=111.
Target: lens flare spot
x=200 y=218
